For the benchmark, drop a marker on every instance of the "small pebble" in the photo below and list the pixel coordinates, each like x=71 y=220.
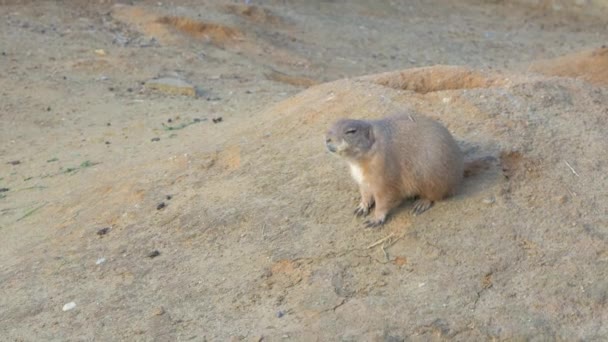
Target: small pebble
x=107 y=143
x=111 y=88
x=130 y=90
x=4 y=189
x=169 y=197
x=153 y=254
x=561 y=199
x=169 y=120
x=280 y=314
x=15 y=162
x=100 y=261
x=155 y=139
x=161 y=205
x=267 y=274
x=159 y=311
x=218 y=119
x=69 y=306
x=48 y=109
x=103 y=231
x=489 y=200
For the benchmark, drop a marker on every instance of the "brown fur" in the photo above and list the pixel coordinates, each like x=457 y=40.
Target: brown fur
x=398 y=157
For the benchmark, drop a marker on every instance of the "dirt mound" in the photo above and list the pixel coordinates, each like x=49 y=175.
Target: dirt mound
x=305 y=197
x=592 y=66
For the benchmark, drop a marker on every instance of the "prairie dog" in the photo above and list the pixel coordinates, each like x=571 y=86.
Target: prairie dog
x=395 y=158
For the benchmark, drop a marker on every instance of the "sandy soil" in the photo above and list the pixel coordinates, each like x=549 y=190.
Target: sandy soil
x=161 y=222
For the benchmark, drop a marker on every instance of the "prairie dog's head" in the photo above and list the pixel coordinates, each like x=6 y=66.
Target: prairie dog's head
x=349 y=138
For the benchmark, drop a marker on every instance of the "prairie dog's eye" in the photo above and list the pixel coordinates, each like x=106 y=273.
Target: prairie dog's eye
x=351 y=131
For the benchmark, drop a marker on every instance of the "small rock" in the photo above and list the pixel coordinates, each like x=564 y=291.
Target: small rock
x=48 y=109
x=169 y=197
x=280 y=314
x=488 y=201
x=100 y=261
x=218 y=119
x=103 y=231
x=100 y=52
x=172 y=86
x=155 y=139
x=159 y=311
x=69 y=306
x=153 y=254
x=15 y=162
x=161 y=205
x=4 y=189
x=169 y=120
x=108 y=143
x=561 y=199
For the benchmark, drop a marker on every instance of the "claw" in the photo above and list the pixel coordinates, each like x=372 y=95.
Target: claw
x=374 y=223
x=363 y=210
x=421 y=206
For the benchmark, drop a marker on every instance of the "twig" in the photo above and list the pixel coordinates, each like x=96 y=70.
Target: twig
x=30 y=212
x=572 y=169
x=385 y=254
x=380 y=241
x=392 y=241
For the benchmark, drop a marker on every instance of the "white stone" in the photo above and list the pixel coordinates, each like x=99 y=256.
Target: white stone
x=69 y=306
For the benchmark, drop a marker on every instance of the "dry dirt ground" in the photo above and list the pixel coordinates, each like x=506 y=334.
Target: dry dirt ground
x=160 y=223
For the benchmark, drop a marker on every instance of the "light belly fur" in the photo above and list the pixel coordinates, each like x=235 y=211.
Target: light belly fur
x=357 y=173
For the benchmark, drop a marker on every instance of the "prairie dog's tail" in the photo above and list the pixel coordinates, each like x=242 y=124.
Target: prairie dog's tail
x=475 y=166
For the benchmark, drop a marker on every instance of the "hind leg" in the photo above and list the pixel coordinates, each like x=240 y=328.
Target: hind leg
x=421 y=205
